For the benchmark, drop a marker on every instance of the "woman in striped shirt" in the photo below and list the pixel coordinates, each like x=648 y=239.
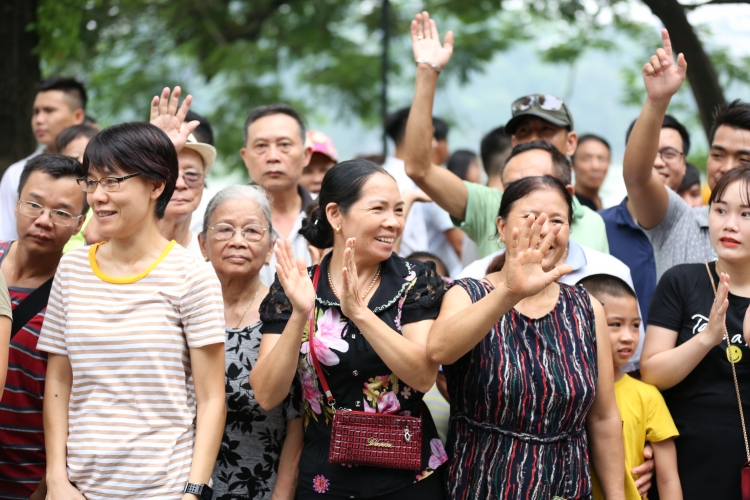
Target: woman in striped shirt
x=134 y=403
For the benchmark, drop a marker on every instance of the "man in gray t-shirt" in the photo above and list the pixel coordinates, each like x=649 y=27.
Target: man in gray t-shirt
x=682 y=235
x=678 y=232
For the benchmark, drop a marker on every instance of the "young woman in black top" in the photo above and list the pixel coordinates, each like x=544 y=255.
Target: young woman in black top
x=373 y=314
x=686 y=354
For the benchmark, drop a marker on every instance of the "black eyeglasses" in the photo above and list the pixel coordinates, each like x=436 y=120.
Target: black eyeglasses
x=547 y=102
x=670 y=155
x=109 y=184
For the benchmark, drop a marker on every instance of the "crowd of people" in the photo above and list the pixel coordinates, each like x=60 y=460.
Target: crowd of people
x=422 y=326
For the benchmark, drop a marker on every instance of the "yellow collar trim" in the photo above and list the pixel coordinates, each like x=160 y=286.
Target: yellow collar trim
x=127 y=279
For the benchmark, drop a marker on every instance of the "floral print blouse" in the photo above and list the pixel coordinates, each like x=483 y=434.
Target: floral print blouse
x=358 y=378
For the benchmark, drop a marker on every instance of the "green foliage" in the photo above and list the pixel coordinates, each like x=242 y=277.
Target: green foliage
x=251 y=52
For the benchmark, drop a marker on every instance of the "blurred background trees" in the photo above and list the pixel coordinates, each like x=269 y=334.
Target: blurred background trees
x=307 y=52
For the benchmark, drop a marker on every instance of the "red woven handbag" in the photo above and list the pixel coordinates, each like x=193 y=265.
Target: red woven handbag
x=374 y=439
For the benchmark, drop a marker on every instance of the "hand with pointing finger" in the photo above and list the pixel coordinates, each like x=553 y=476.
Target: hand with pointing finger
x=661 y=75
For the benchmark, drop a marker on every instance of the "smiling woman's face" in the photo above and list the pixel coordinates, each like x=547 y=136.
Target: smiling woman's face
x=237 y=257
x=550 y=202
x=729 y=223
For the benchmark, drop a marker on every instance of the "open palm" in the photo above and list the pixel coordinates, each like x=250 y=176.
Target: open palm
x=523 y=275
x=662 y=77
x=294 y=279
x=167 y=116
x=425 y=41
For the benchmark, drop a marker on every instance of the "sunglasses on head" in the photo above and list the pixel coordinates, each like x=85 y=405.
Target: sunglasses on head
x=547 y=102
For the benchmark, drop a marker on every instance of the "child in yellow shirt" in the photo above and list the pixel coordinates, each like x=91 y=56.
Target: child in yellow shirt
x=644 y=414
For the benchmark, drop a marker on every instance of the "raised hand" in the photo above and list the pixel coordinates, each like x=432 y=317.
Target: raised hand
x=167 y=116
x=717 y=319
x=425 y=41
x=523 y=275
x=294 y=278
x=350 y=296
x=661 y=75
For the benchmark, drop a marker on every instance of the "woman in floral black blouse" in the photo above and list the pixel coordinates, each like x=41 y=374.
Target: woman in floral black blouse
x=373 y=311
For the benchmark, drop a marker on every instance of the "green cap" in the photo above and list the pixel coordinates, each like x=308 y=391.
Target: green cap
x=545 y=106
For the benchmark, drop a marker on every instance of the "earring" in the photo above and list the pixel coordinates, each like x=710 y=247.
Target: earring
x=500 y=241
x=206 y=259
x=338 y=230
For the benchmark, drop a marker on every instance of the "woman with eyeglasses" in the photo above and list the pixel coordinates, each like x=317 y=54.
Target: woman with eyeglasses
x=195 y=161
x=134 y=404
x=237 y=239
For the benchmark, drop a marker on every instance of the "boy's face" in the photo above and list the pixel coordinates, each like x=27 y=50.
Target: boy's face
x=623 y=322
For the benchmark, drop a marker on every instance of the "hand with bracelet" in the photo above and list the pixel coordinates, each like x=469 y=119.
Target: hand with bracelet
x=425 y=41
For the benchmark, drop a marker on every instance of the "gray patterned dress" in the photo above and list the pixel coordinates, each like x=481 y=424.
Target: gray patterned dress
x=250 y=449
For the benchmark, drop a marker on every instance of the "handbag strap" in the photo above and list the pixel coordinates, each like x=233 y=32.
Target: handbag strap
x=310 y=335
x=31 y=306
x=734 y=372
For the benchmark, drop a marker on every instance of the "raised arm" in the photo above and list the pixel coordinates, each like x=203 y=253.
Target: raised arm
x=461 y=324
x=646 y=191
x=167 y=116
x=443 y=186
x=273 y=373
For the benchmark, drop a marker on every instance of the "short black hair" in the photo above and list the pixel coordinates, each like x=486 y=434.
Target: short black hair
x=203 y=133
x=440 y=129
x=72 y=133
x=495 y=144
x=135 y=147
x=56 y=166
x=70 y=86
x=427 y=256
x=593 y=137
x=691 y=178
x=395 y=126
x=459 y=162
x=735 y=114
x=274 y=109
x=669 y=122
x=606 y=284
x=560 y=163
x=738 y=174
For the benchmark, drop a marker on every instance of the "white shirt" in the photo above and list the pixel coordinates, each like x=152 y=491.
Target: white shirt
x=9 y=197
x=426 y=223
x=585 y=262
x=299 y=247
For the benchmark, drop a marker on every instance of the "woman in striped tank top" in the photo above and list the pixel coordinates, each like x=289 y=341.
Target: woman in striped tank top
x=528 y=366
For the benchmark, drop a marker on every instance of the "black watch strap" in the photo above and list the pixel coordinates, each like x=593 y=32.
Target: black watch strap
x=203 y=491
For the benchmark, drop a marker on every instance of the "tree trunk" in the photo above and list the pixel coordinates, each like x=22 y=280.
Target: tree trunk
x=701 y=73
x=19 y=74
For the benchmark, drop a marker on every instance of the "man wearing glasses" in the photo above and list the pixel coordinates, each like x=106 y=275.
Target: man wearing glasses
x=628 y=241
x=195 y=161
x=678 y=232
x=473 y=207
x=50 y=209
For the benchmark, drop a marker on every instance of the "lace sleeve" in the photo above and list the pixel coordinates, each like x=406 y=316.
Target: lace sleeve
x=275 y=310
x=424 y=298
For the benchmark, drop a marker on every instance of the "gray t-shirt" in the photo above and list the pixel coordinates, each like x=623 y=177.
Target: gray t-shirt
x=681 y=237
x=250 y=449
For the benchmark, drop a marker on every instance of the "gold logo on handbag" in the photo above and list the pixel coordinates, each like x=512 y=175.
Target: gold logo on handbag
x=378 y=443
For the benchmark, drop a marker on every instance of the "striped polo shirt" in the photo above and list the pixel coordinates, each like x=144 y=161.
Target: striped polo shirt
x=22 y=458
x=132 y=410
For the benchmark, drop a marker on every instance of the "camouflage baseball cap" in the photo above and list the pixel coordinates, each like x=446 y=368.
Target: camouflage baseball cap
x=544 y=106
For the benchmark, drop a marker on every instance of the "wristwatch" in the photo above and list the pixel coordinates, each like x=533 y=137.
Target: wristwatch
x=202 y=491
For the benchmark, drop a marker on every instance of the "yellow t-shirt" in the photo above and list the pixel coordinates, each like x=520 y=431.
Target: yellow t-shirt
x=645 y=417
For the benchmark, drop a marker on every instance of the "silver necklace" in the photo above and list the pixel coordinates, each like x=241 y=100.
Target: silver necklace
x=333 y=289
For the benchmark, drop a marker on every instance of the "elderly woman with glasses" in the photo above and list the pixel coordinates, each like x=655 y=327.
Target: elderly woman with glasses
x=134 y=403
x=237 y=239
